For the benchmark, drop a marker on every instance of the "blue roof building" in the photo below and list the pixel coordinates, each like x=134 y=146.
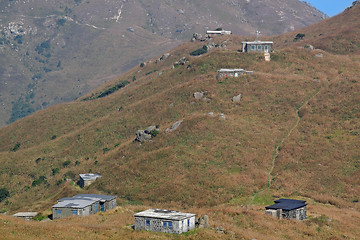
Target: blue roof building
x=287 y=208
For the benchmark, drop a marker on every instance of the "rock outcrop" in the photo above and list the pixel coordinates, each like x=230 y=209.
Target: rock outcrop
x=237 y=99
x=203 y=222
x=147 y=134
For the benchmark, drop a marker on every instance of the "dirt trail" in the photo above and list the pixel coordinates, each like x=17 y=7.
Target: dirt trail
x=277 y=146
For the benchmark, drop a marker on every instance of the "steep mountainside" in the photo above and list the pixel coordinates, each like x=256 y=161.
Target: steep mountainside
x=55 y=51
x=294 y=134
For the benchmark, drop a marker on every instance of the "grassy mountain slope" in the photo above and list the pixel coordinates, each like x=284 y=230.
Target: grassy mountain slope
x=56 y=51
x=294 y=134
x=336 y=35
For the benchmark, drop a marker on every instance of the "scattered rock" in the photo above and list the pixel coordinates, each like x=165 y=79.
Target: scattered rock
x=236 y=99
x=180 y=11
x=356 y=3
x=131 y=29
x=205 y=99
x=162 y=58
x=211 y=114
x=200 y=37
x=171 y=105
x=220 y=230
x=203 y=222
x=319 y=55
x=222 y=116
x=182 y=61
x=176 y=125
x=311 y=47
x=198 y=95
x=147 y=134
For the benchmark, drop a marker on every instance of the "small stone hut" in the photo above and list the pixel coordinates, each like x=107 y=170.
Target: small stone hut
x=25 y=215
x=287 y=208
x=160 y=220
x=221 y=32
x=88 y=178
x=235 y=72
x=257 y=46
x=83 y=205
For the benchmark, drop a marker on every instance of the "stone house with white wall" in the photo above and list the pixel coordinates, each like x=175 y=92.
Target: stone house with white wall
x=83 y=205
x=160 y=220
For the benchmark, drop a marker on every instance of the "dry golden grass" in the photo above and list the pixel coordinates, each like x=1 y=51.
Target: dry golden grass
x=306 y=106
x=325 y=222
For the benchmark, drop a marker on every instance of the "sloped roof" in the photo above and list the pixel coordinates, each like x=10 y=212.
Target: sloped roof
x=164 y=214
x=287 y=204
x=81 y=200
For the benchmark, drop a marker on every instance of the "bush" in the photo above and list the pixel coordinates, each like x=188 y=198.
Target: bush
x=40 y=180
x=61 y=22
x=142 y=64
x=66 y=163
x=199 y=51
x=53 y=137
x=154 y=133
x=39 y=217
x=16 y=147
x=112 y=89
x=299 y=36
x=4 y=193
x=55 y=171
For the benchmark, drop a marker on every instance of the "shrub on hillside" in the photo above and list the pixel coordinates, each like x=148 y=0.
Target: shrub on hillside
x=199 y=51
x=40 y=180
x=16 y=147
x=4 y=193
x=299 y=36
x=66 y=163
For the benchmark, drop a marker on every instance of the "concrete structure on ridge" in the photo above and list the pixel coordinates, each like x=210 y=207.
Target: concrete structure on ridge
x=83 y=205
x=234 y=72
x=88 y=178
x=287 y=208
x=160 y=220
x=257 y=46
x=220 y=32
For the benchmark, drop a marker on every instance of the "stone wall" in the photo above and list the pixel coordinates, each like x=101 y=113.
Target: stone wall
x=298 y=214
x=157 y=225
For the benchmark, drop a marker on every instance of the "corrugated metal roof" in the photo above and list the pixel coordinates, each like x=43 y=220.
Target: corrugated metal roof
x=164 y=214
x=287 y=204
x=81 y=200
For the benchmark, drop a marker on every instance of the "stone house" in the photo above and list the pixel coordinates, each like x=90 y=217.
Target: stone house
x=83 y=205
x=160 y=220
x=287 y=208
x=88 y=178
x=257 y=46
